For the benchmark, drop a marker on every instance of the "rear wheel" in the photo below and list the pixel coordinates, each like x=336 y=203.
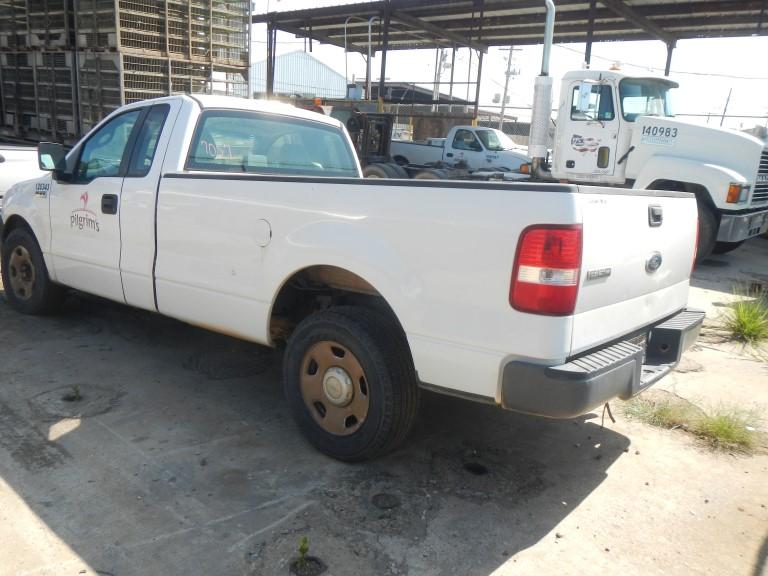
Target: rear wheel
x=725 y=247
x=376 y=171
x=350 y=383
x=431 y=174
x=25 y=277
x=397 y=171
x=707 y=231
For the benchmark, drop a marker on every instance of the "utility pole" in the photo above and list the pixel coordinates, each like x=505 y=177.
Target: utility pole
x=440 y=56
x=506 y=86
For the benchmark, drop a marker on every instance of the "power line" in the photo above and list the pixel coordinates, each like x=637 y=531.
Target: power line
x=734 y=77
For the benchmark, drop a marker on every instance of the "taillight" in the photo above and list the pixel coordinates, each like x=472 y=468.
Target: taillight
x=545 y=279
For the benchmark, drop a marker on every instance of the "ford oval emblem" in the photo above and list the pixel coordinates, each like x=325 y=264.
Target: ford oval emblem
x=653 y=263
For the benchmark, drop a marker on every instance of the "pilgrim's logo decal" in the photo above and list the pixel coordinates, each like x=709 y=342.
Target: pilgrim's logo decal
x=83 y=218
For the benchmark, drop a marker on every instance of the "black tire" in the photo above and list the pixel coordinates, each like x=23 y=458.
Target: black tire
x=707 y=231
x=725 y=247
x=376 y=171
x=431 y=174
x=380 y=347
x=25 y=277
x=396 y=171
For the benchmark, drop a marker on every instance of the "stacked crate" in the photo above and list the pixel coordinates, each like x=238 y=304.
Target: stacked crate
x=161 y=47
x=65 y=64
x=37 y=96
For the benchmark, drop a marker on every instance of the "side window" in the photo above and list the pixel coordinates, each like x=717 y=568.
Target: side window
x=103 y=153
x=241 y=141
x=146 y=142
x=600 y=104
x=465 y=140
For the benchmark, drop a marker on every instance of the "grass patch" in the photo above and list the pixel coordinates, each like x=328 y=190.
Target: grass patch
x=727 y=429
x=747 y=318
x=724 y=428
x=664 y=413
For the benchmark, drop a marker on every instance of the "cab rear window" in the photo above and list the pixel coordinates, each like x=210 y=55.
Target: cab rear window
x=253 y=142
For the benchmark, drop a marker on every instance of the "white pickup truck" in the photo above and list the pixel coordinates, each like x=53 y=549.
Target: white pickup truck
x=252 y=219
x=476 y=147
x=17 y=163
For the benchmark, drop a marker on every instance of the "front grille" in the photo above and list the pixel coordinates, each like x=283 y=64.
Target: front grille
x=760 y=194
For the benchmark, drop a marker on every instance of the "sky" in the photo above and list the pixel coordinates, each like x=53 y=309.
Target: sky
x=707 y=69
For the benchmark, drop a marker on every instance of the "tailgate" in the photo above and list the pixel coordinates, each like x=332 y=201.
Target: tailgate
x=638 y=249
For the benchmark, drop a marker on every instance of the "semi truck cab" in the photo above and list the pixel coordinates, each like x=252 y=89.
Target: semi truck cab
x=621 y=130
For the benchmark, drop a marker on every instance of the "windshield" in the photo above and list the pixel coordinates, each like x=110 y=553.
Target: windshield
x=644 y=97
x=495 y=140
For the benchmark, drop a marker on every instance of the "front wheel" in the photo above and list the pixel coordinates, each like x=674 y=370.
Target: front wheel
x=725 y=247
x=25 y=277
x=707 y=231
x=350 y=383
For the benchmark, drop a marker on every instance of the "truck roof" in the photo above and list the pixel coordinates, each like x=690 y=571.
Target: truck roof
x=207 y=101
x=592 y=74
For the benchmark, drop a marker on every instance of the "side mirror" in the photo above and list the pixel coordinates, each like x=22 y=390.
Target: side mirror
x=585 y=92
x=50 y=156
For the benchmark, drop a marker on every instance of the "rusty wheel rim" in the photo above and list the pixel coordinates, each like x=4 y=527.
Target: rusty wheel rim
x=22 y=273
x=334 y=388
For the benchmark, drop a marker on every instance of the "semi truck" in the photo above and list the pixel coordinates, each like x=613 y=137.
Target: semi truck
x=618 y=129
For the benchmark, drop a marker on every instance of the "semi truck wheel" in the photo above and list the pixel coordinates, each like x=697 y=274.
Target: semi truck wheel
x=707 y=231
x=350 y=383
x=376 y=171
x=25 y=277
x=397 y=171
x=431 y=174
x=725 y=247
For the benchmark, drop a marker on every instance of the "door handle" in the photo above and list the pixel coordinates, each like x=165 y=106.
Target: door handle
x=655 y=215
x=109 y=203
x=449 y=154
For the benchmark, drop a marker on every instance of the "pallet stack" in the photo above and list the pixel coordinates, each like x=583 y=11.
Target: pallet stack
x=65 y=64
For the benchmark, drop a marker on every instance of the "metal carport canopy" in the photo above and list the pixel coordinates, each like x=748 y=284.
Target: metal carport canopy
x=478 y=24
x=483 y=23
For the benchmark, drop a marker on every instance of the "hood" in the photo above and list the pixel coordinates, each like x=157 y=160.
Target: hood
x=656 y=135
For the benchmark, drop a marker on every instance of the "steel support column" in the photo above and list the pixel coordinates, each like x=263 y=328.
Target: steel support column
x=480 y=59
x=670 y=48
x=384 y=47
x=271 y=38
x=590 y=32
x=477 y=89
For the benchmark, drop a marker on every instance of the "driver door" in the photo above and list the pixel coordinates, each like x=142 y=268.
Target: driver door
x=588 y=137
x=467 y=148
x=85 y=224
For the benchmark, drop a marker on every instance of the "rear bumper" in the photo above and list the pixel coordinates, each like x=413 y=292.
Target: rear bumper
x=619 y=370
x=738 y=227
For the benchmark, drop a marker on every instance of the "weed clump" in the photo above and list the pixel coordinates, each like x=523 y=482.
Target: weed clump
x=725 y=428
x=747 y=318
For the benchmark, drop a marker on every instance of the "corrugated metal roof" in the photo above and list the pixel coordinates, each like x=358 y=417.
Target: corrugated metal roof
x=300 y=73
x=482 y=23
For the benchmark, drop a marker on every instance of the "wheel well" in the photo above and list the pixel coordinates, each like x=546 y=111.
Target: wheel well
x=318 y=287
x=702 y=194
x=398 y=159
x=13 y=223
